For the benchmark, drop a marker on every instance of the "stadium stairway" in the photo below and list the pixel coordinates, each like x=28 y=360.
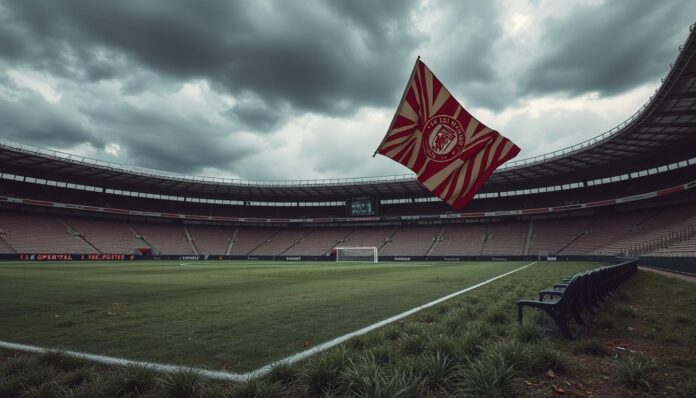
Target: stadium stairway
x=4 y=246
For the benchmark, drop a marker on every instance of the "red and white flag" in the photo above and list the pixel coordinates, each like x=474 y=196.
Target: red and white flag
x=450 y=151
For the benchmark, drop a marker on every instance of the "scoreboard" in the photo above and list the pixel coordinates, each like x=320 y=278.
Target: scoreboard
x=361 y=207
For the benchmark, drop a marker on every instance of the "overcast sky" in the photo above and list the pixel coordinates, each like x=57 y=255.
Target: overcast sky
x=299 y=89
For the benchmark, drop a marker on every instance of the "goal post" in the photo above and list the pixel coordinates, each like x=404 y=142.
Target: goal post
x=360 y=253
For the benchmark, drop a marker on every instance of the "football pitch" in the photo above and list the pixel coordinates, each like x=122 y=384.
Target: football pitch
x=229 y=315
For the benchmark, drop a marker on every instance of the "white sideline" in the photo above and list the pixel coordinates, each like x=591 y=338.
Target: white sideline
x=240 y=377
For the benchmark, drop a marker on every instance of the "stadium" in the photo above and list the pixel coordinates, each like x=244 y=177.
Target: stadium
x=125 y=281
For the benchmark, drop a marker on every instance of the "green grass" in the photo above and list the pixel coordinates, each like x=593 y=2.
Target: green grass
x=236 y=315
x=467 y=346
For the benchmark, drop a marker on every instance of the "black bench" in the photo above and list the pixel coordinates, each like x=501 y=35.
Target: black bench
x=583 y=292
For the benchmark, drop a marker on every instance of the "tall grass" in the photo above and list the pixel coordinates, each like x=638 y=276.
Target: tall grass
x=636 y=372
x=367 y=378
x=487 y=377
x=182 y=384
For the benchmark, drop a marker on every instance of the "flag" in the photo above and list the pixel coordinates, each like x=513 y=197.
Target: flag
x=450 y=151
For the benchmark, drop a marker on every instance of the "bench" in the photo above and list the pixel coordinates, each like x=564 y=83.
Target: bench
x=583 y=292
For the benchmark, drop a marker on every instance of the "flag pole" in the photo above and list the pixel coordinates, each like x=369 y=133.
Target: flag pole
x=401 y=103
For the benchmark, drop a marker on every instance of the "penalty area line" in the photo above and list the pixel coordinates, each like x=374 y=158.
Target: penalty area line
x=243 y=377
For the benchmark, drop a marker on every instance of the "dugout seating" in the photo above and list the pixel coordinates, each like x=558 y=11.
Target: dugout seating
x=581 y=293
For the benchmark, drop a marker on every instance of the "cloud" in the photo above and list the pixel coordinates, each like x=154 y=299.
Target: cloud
x=286 y=90
x=608 y=47
x=316 y=56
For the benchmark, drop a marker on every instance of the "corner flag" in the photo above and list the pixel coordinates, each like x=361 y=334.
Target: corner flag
x=450 y=151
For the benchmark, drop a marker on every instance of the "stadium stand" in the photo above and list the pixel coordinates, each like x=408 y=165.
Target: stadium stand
x=280 y=242
x=554 y=235
x=411 y=241
x=651 y=230
x=505 y=238
x=685 y=248
x=319 y=241
x=246 y=240
x=211 y=239
x=458 y=239
x=32 y=233
x=369 y=237
x=108 y=236
x=163 y=238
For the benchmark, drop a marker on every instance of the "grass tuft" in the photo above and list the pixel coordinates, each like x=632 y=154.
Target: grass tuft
x=366 y=378
x=257 y=389
x=438 y=371
x=636 y=372
x=321 y=372
x=487 y=377
x=182 y=384
x=46 y=390
x=283 y=373
x=512 y=352
x=61 y=360
x=543 y=357
x=133 y=380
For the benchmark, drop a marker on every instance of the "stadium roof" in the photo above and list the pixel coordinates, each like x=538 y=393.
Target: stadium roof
x=662 y=131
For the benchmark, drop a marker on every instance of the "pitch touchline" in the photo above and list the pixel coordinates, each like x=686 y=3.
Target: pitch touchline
x=240 y=377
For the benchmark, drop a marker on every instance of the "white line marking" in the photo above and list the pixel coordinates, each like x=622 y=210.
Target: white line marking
x=241 y=377
x=160 y=367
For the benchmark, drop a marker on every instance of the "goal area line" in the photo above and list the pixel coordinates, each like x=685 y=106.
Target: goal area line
x=259 y=372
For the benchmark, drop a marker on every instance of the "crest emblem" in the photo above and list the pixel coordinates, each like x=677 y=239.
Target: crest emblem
x=444 y=138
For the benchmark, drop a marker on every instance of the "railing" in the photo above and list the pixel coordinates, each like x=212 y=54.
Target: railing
x=659 y=242
x=54 y=154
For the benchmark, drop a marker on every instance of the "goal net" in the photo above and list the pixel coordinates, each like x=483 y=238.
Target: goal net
x=356 y=254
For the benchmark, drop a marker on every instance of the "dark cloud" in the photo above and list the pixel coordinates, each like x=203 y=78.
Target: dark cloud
x=166 y=140
x=314 y=56
x=609 y=47
x=28 y=118
x=121 y=66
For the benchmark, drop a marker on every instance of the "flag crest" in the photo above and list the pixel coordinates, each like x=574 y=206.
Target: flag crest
x=450 y=151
